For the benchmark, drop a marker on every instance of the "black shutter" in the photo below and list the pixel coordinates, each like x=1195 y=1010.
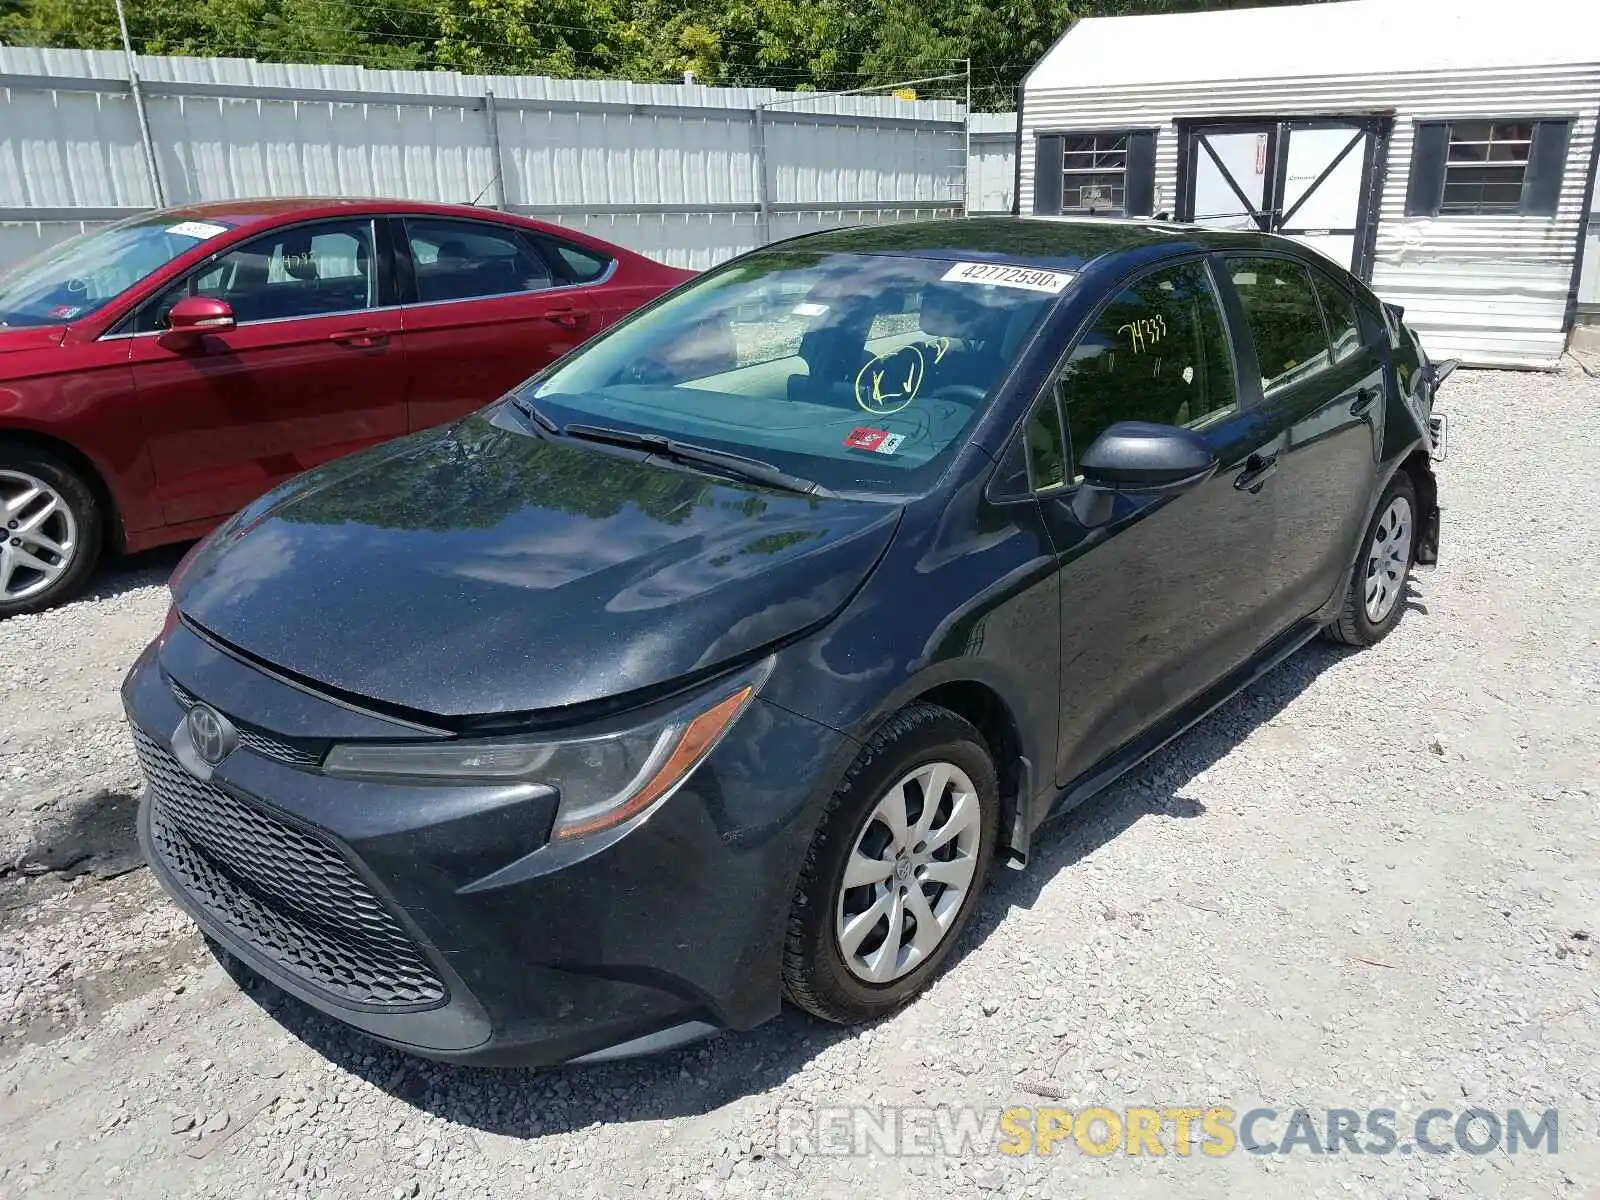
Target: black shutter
x=1140 y=185
x=1428 y=153
x=1047 y=175
x=1547 y=160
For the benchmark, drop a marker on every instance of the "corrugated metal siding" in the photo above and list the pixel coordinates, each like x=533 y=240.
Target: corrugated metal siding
x=575 y=151
x=1492 y=290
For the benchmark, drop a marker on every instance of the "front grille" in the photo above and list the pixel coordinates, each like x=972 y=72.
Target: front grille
x=265 y=743
x=252 y=738
x=281 y=890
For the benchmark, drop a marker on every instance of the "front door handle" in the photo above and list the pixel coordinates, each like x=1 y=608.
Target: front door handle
x=566 y=317
x=1364 y=400
x=1257 y=469
x=360 y=337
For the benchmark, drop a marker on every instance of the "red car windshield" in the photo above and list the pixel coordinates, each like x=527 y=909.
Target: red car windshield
x=862 y=372
x=83 y=274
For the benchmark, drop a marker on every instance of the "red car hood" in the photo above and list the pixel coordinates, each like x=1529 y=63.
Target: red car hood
x=35 y=337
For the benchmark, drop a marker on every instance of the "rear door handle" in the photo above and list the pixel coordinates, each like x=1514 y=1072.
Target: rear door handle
x=360 y=337
x=1257 y=469
x=1364 y=400
x=568 y=317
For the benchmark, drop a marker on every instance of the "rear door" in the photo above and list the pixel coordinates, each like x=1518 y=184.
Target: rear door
x=312 y=371
x=1166 y=598
x=486 y=308
x=1322 y=382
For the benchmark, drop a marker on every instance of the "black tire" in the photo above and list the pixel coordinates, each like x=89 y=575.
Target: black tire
x=815 y=975
x=87 y=520
x=1354 y=626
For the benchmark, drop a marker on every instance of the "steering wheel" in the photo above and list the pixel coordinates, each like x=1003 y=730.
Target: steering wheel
x=643 y=371
x=77 y=284
x=968 y=392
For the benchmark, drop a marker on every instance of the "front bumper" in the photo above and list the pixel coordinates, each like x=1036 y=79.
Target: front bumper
x=423 y=915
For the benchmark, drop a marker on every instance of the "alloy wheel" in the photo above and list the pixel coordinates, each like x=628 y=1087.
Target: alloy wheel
x=908 y=873
x=41 y=536
x=1388 y=559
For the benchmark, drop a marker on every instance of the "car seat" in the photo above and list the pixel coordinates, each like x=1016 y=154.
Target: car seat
x=976 y=332
x=834 y=354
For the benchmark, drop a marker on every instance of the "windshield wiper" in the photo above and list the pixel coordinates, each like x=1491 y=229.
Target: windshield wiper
x=527 y=408
x=738 y=465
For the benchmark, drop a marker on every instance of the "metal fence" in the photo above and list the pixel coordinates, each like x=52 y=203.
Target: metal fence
x=686 y=173
x=992 y=162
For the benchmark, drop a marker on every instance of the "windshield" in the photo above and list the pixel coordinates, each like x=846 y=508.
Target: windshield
x=862 y=372
x=83 y=274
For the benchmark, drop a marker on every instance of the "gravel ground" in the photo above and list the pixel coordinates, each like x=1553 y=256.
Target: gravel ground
x=1371 y=881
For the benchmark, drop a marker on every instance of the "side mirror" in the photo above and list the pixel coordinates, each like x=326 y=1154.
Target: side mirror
x=1140 y=456
x=194 y=316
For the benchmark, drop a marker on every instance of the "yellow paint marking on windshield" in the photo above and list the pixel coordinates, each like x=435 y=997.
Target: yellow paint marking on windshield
x=889 y=382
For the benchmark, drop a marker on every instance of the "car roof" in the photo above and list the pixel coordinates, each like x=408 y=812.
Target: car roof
x=1065 y=242
x=244 y=213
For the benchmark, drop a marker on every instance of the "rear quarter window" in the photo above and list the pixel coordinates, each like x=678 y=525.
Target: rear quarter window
x=579 y=265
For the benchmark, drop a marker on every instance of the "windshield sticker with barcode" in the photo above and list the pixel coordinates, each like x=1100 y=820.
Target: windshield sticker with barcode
x=879 y=441
x=197 y=229
x=1001 y=275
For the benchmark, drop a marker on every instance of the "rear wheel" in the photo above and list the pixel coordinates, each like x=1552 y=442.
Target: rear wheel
x=1376 y=599
x=52 y=530
x=895 y=869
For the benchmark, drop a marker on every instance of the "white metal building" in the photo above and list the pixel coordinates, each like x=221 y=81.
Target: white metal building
x=1442 y=149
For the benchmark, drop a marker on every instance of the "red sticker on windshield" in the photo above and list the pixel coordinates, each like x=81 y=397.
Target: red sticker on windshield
x=879 y=441
x=64 y=312
x=866 y=439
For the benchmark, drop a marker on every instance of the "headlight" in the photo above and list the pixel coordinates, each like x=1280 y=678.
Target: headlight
x=602 y=781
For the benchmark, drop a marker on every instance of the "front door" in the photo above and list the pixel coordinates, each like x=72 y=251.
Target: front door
x=1165 y=598
x=312 y=371
x=1312 y=179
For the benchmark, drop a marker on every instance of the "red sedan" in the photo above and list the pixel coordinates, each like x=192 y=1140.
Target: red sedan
x=160 y=373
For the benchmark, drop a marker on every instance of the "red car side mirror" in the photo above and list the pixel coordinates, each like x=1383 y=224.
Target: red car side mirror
x=193 y=317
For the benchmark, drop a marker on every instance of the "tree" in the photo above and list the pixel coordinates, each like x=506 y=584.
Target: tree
x=815 y=45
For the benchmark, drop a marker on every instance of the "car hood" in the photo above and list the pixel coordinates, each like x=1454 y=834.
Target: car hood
x=478 y=570
x=30 y=337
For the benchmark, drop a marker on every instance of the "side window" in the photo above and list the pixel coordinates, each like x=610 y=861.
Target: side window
x=582 y=266
x=1374 y=327
x=1281 y=310
x=1340 y=312
x=303 y=271
x=1158 y=352
x=1408 y=359
x=463 y=260
x=1047 y=449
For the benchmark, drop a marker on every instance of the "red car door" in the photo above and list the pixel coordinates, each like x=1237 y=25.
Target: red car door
x=312 y=370
x=489 y=310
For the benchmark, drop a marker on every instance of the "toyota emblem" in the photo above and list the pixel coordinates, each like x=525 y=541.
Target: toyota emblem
x=212 y=734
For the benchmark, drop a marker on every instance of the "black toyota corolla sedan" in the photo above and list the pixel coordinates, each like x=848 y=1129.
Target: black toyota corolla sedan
x=721 y=661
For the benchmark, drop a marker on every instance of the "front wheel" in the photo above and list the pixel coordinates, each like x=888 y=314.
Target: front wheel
x=895 y=869
x=1376 y=599
x=52 y=530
